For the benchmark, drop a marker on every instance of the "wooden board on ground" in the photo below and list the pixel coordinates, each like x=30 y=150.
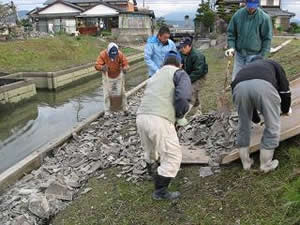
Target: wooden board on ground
x=194 y=155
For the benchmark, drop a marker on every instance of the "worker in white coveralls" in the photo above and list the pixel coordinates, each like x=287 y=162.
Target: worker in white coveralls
x=261 y=85
x=165 y=103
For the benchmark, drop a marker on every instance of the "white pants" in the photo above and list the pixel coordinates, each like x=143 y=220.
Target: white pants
x=159 y=140
x=114 y=93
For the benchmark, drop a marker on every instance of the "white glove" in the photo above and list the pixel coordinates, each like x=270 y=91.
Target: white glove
x=289 y=113
x=229 y=52
x=182 y=122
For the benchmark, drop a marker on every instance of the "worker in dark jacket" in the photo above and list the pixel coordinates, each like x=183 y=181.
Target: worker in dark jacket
x=261 y=85
x=249 y=34
x=165 y=103
x=194 y=64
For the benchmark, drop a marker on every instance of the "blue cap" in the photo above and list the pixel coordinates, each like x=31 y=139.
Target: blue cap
x=252 y=4
x=174 y=54
x=113 y=52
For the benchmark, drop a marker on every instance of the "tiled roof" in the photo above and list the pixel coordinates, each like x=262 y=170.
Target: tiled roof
x=273 y=12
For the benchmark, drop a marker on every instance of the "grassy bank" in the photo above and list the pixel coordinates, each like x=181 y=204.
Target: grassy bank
x=51 y=54
x=232 y=197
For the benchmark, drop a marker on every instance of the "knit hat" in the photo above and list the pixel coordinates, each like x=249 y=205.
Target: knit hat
x=112 y=50
x=173 y=54
x=252 y=3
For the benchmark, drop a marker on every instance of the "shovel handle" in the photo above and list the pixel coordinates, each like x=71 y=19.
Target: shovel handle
x=227 y=74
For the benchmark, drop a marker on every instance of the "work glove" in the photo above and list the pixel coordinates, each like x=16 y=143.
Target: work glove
x=289 y=112
x=229 y=52
x=104 y=69
x=183 y=121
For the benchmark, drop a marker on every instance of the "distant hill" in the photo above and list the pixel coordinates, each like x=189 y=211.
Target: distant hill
x=179 y=16
x=295 y=20
x=22 y=14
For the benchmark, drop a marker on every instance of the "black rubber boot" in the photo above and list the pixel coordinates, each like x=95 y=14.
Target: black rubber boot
x=151 y=170
x=161 y=189
x=255 y=117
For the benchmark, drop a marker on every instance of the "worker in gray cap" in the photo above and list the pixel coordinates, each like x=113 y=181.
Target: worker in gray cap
x=261 y=86
x=249 y=34
x=194 y=64
x=164 y=106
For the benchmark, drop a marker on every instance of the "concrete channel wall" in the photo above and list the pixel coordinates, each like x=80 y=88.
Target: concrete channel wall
x=17 y=91
x=62 y=78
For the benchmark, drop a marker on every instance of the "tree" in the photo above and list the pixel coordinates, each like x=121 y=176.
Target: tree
x=205 y=15
x=224 y=13
x=161 y=22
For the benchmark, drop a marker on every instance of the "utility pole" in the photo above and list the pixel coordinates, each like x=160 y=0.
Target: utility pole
x=143 y=3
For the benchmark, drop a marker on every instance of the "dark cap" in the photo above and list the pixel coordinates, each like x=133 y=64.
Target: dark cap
x=185 y=41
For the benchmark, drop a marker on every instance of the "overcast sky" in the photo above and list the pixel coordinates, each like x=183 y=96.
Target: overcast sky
x=161 y=7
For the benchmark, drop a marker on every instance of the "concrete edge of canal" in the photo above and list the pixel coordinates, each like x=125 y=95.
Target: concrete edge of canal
x=35 y=159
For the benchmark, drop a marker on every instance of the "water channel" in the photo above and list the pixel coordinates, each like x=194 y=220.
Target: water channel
x=28 y=126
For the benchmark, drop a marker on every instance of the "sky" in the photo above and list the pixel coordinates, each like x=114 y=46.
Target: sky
x=161 y=7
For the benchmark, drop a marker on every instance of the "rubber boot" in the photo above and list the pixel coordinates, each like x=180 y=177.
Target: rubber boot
x=161 y=189
x=266 y=162
x=245 y=158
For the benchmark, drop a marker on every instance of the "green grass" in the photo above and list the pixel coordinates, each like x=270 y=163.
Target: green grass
x=277 y=41
x=231 y=197
x=289 y=57
x=50 y=54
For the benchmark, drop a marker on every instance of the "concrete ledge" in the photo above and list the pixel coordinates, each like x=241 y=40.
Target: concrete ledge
x=35 y=159
x=17 y=91
x=59 y=79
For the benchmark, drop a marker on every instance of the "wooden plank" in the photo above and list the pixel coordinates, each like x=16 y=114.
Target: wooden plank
x=194 y=156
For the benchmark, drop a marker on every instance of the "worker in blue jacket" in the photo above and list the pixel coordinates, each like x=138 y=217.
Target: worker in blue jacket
x=156 y=49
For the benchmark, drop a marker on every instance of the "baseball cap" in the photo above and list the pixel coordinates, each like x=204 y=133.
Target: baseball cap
x=252 y=3
x=185 y=41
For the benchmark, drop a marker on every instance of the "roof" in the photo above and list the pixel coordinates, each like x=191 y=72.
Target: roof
x=230 y=1
x=62 y=2
x=273 y=12
x=48 y=2
x=100 y=10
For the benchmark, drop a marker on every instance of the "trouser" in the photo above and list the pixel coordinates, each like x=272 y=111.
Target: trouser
x=196 y=87
x=261 y=95
x=239 y=62
x=159 y=140
x=114 y=93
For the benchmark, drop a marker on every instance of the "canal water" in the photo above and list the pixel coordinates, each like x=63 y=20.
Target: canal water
x=26 y=127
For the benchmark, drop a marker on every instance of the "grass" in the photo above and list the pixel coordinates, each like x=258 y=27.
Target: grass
x=232 y=197
x=276 y=41
x=51 y=54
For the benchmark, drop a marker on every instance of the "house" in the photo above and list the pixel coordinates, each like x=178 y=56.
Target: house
x=127 y=5
x=92 y=16
x=281 y=18
x=56 y=17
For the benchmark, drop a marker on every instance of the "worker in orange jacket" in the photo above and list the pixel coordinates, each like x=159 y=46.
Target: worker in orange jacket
x=113 y=64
